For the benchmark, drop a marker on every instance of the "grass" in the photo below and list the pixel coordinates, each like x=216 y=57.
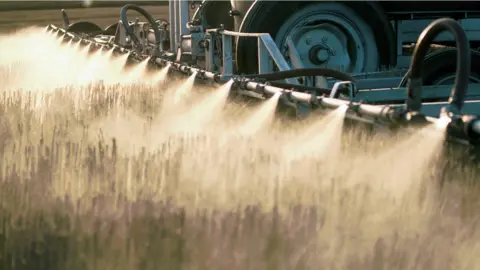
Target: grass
x=109 y=225
x=105 y=182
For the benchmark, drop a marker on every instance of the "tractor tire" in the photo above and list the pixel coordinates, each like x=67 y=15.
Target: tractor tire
x=212 y=14
x=111 y=30
x=368 y=19
x=439 y=68
x=84 y=27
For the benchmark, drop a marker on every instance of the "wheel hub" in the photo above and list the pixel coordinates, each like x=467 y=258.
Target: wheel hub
x=327 y=41
x=323 y=45
x=319 y=54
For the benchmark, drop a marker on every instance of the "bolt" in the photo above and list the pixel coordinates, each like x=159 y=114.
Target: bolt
x=308 y=41
x=324 y=40
x=333 y=52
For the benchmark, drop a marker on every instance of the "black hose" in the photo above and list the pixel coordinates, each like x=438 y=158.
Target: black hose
x=302 y=72
x=66 y=21
x=153 y=23
x=459 y=90
x=302 y=88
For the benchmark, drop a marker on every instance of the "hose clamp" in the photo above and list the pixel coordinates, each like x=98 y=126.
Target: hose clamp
x=287 y=99
x=217 y=78
x=243 y=83
x=355 y=106
x=260 y=88
x=314 y=101
x=201 y=74
x=152 y=60
x=235 y=82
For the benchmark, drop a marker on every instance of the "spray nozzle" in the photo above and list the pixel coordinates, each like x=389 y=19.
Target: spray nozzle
x=236 y=81
x=415 y=118
x=116 y=49
x=189 y=70
x=286 y=99
x=152 y=60
x=465 y=126
x=315 y=101
x=218 y=78
x=201 y=74
x=260 y=88
x=354 y=106
x=450 y=111
x=240 y=83
x=184 y=69
x=407 y=117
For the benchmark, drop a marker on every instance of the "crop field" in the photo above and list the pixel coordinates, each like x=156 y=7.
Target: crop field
x=104 y=167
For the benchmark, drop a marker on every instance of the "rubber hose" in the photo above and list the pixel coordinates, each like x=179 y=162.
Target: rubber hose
x=153 y=23
x=302 y=72
x=459 y=90
x=316 y=90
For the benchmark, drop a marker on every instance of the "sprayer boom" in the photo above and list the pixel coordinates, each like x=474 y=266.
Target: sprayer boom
x=189 y=46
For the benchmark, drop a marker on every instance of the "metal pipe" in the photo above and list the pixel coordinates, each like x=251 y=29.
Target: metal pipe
x=379 y=112
x=387 y=114
x=183 y=16
x=414 y=89
x=177 y=26
x=237 y=34
x=384 y=112
x=171 y=14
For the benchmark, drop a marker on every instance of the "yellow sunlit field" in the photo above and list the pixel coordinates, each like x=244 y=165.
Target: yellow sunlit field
x=106 y=167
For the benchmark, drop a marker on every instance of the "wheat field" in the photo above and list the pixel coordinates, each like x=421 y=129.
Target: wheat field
x=112 y=176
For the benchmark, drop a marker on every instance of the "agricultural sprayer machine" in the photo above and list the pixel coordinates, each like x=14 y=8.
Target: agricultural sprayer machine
x=317 y=55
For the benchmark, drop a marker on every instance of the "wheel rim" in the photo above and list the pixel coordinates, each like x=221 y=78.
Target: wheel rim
x=325 y=39
x=450 y=79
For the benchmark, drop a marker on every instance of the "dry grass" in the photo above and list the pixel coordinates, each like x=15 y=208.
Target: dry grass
x=114 y=181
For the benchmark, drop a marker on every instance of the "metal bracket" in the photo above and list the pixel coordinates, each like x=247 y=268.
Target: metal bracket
x=267 y=50
x=227 y=55
x=346 y=88
x=294 y=55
